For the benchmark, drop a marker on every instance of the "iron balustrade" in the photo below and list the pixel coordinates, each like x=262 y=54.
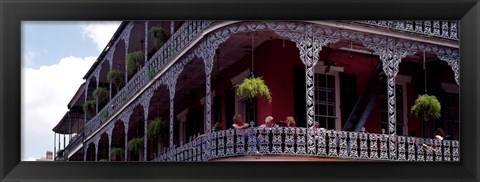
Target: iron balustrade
x=292 y=141
x=183 y=37
x=440 y=29
x=73 y=142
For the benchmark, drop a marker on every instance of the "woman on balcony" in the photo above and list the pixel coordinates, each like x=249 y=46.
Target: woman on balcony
x=238 y=122
x=290 y=121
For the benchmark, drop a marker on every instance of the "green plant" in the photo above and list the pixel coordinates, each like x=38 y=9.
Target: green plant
x=104 y=114
x=135 y=145
x=122 y=98
x=430 y=35
x=117 y=78
x=158 y=35
x=156 y=128
x=426 y=107
x=116 y=153
x=90 y=106
x=101 y=94
x=151 y=72
x=252 y=87
x=135 y=60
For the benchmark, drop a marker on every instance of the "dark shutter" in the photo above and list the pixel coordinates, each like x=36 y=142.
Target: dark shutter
x=229 y=107
x=348 y=95
x=299 y=98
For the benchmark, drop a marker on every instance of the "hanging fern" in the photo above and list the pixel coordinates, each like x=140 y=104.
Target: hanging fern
x=116 y=152
x=135 y=145
x=117 y=78
x=158 y=35
x=90 y=106
x=135 y=60
x=426 y=107
x=101 y=94
x=156 y=128
x=252 y=87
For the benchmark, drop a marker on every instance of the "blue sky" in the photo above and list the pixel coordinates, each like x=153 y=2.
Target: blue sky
x=55 y=57
x=48 y=42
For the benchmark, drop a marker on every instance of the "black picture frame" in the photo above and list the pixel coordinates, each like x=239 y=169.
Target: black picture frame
x=13 y=12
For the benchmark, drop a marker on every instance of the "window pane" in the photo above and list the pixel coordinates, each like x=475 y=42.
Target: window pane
x=330 y=81
x=331 y=123
x=321 y=80
x=331 y=110
x=322 y=110
x=331 y=96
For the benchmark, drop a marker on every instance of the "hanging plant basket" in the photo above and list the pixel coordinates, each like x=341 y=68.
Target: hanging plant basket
x=135 y=145
x=253 y=87
x=426 y=107
x=101 y=94
x=89 y=106
x=117 y=78
x=158 y=35
x=156 y=128
x=116 y=153
x=135 y=61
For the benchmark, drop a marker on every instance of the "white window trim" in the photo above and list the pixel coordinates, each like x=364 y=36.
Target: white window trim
x=182 y=117
x=239 y=108
x=450 y=88
x=236 y=79
x=334 y=70
x=403 y=80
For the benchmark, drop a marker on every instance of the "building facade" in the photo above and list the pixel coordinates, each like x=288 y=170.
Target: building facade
x=357 y=79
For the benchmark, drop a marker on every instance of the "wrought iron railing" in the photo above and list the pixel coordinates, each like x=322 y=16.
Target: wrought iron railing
x=440 y=29
x=72 y=144
x=185 y=35
x=327 y=143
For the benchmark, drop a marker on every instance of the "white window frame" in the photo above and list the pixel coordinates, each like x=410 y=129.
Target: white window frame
x=182 y=118
x=239 y=101
x=334 y=70
x=403 y=80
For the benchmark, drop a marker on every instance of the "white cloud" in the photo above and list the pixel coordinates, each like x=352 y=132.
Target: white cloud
x=46 y=92
x=99 y=32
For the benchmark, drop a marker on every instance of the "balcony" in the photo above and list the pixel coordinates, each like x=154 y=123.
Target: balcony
x=179 y=41
x=281 y=142
x=72 y=144
x=438 y=29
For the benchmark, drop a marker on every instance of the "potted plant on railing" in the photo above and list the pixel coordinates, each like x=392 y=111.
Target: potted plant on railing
x=157 y=132
x=117 y=78
x=135 y=145
x=252 y=87
x=158 y=34
x=89 y=107
x=116 y=154
x=426 y=107
x=135 y=61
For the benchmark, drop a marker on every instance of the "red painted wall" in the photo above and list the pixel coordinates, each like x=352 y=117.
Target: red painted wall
x=275 y=59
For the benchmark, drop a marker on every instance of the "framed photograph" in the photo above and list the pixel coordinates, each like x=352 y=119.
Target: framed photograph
x=239 y=91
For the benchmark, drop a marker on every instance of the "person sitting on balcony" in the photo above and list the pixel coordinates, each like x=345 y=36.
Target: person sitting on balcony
x=439 y=134
x=217 y=126
x=290 y=121
x=238 y=122
x=268 y=122
x=315 y=125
